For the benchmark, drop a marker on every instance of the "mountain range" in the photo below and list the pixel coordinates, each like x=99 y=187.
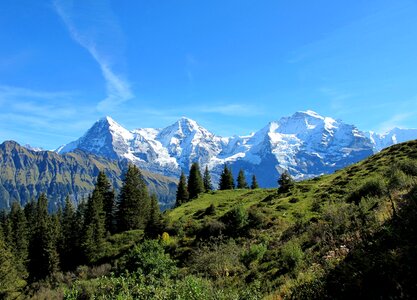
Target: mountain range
x=305 y=144
x=25 y=174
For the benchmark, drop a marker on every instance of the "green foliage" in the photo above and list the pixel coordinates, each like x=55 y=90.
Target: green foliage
x=254 y=254
x=155 y=223
x=285 y=182
x=133 y=209
x=236 y=219
x=254 y=184
x=195 y=182
x=241 y=180
x=109 y=205
x=182 y=191
x=217 y=259
x=226 y=179
x=11 y=283
x=43 y=257
x=291 y=254
x=208 y=186
x=149 y=259
x=372 y=187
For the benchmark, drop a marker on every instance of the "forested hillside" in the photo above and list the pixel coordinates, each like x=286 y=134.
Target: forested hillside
x=347 y=235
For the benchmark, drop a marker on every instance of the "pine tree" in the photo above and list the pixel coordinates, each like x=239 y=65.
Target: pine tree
x=10 y=281
x=241 y=180
x=19 y=236
x=285 y=182
x=195 y=182
x=134 y=202
x=207 y=180
x=104 y=187
x=67 y=247
x=254 y=184
x=43 y=257
x=154 y=225
x=182 y=191
x=94 y=227
x=226 y=179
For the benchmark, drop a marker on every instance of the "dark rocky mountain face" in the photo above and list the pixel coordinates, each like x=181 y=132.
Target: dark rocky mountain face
x=25 y=174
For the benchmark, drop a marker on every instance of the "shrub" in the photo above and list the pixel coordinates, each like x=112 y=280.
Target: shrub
x=256 y=218
x=254 y=254
x=236 y=219
x=149 y=259
x=211 y=228
x=291 y=254
x=373 y=187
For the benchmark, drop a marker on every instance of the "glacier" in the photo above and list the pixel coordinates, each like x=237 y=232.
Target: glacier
x=305 y=144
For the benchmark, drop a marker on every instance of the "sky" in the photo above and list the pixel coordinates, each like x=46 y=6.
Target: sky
x=231 y=65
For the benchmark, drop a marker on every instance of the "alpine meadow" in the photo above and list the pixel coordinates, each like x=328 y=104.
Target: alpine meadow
x=221 y=150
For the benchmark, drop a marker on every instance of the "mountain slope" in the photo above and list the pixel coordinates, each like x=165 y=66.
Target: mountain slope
x=306 y=144
x=24 y=174
x=335 y=236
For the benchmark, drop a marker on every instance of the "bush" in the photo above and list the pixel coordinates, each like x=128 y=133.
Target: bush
x=373 y=187
x=291 y=255
x=257 y=219
x=254 y=254
x=148 y=259
x=236 y=220
x=211 y=228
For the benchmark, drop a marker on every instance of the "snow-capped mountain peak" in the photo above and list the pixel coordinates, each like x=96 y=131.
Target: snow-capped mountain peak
x=306 y=144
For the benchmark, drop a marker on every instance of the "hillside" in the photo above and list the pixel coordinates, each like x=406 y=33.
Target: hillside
x=25 y=174
x=351 y=234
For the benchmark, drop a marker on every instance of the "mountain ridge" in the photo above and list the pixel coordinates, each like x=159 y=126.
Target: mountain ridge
x=306 y=144
x=25 y=174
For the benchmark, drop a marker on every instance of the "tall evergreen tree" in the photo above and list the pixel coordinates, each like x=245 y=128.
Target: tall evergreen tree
x=285 y=182
x=67 y=246
x=43 y=257
x=207 y=180
x=241 y=180
x=104 y=187
x=19 y=236
x=182 y=191
x=154 y=225
x=254 y=184
x=226 y=179
x=133 y=210
x=94 y=227
x=10 y=281
x=195 y=182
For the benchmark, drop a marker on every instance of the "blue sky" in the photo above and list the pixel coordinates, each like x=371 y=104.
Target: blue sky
x=231 y=65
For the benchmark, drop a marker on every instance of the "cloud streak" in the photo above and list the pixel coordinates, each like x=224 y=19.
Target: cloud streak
x=93 y=26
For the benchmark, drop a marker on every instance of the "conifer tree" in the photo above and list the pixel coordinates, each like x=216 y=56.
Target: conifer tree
x=226 y=179
x=133 y=210
x=182 y=191
x=67 y=247
x=241 y=180
x=207 y=180
x=43 y=257
x=94 y=227
x=10 y=281
x=195 y=182
x=19 y=236
x=285 y=182
x=154 y=225
x=254 y=184
x=104 y=187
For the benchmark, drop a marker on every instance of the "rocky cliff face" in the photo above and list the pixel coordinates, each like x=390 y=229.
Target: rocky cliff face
x=25 y=174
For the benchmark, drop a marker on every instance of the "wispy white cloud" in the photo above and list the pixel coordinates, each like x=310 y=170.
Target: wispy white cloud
x=231 y=109
x=94 y=27
x=395 y=121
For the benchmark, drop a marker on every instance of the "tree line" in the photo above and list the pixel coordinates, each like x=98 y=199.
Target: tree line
x=34 y=243
x=196 y=183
